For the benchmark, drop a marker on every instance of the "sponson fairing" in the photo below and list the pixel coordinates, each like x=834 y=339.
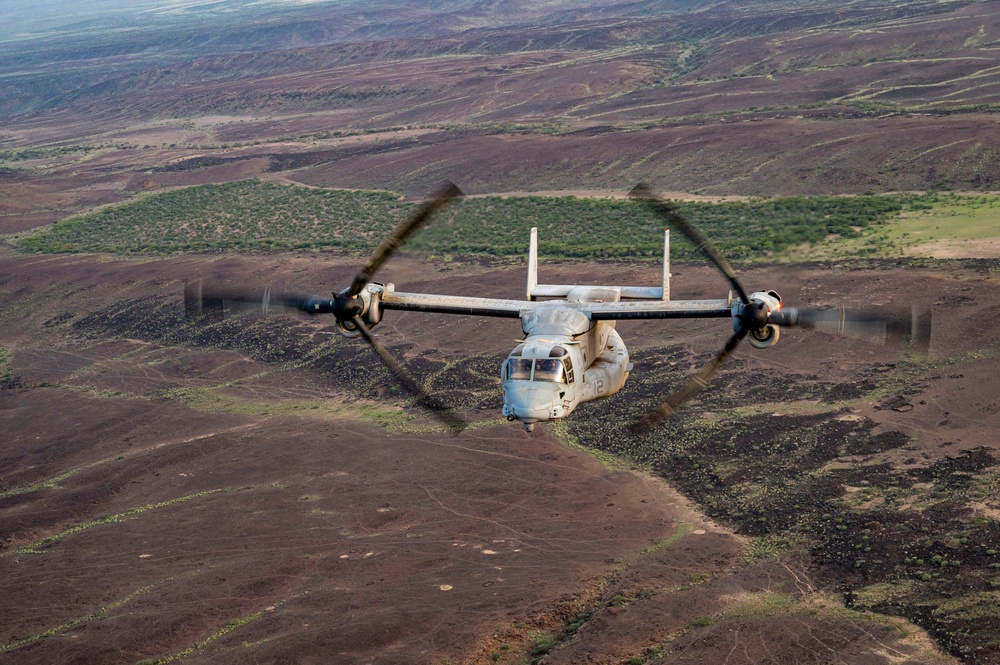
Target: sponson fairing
x=566 y=359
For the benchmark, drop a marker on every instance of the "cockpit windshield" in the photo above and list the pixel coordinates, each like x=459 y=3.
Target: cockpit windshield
x=543 y=369
x=549 y=370
x=519 y=369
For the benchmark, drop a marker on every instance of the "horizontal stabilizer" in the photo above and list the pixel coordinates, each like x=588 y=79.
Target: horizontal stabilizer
x=562 y=290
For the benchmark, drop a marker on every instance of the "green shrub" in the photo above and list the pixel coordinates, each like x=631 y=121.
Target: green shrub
x=254 y=215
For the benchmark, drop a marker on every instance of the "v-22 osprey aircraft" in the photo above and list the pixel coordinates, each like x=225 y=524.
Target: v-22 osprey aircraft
x=571 y=352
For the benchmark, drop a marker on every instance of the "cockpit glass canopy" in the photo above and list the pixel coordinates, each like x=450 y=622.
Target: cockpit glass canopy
x=519 y=369
x=548 y=369
x=542 y=369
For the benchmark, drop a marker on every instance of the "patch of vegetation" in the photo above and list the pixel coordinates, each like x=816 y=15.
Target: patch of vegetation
x=767 y=547
x=541 y=644
x=222 y=632
x=599 y=228
x=253 y=215
x=5 y=369
x=933 y=566
x=234 y=216
x=51 y=483
x=764 y=603
x=932 y=221
x=25 y=154
x=949 y=217
x=660 y=543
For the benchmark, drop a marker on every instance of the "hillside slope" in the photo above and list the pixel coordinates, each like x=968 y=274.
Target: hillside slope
x=761 y=98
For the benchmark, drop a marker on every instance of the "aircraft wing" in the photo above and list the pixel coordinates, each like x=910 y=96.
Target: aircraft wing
x=596 y=311
x=657 y=309
x=427 y=302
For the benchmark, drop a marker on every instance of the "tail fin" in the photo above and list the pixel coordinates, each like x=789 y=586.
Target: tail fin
x=665 y=292
x=533 y=264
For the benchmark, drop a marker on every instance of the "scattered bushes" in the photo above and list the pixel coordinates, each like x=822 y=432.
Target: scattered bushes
x=254 y=215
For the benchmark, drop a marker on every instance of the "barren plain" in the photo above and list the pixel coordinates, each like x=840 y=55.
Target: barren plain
x=263 y=491
x=263 y=498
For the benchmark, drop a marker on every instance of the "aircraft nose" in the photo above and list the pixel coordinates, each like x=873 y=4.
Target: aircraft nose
x=530 y=403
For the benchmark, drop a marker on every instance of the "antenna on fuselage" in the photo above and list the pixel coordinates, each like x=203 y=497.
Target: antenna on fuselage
x=533 y=263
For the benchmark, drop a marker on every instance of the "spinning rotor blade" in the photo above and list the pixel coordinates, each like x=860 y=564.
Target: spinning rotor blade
x=837 y=321
x=763 y=317
x=911 y=328
x=668 y=211
x=670 y=406
x=919 y=333
x=346 y=302
x=347 y=306
x=443 y=196
x=201 y=298
x=425 y=399
x=674 y=219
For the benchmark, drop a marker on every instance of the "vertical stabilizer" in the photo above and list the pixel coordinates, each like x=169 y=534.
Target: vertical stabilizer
x=533 y=263
x=666 y=265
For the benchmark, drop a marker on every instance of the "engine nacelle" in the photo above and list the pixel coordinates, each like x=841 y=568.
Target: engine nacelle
x=371 y=311
x=771 y=299
x=753 y=316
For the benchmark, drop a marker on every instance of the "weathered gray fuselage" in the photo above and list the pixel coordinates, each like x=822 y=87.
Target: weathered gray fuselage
x=566 y=359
